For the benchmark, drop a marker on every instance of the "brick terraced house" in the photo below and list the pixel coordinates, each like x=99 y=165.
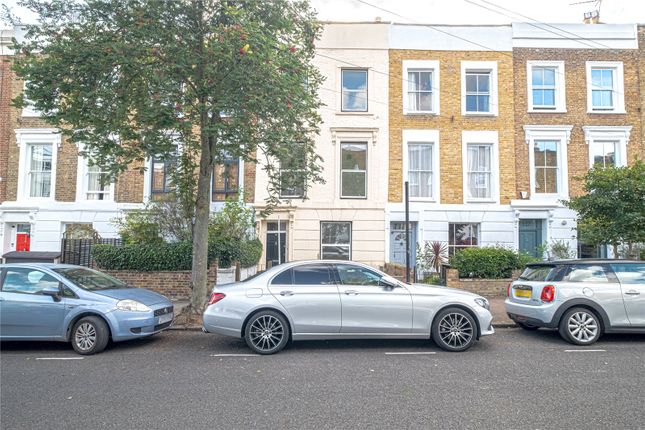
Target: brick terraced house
x=490 y=125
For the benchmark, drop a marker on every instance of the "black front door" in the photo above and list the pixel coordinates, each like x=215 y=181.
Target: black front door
x=276 y=243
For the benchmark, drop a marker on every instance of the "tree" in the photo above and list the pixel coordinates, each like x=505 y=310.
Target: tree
x=131 y=79
x=613 y=209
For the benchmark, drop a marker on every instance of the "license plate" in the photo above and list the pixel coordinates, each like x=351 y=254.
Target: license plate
x=523 y=293
x=165 y=318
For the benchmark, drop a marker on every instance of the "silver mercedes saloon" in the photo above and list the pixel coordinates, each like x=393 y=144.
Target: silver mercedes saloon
x=326 y=299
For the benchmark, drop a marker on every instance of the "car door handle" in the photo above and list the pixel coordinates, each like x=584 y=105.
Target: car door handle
x=351 y=292
x=632 y=293
x=286 y=293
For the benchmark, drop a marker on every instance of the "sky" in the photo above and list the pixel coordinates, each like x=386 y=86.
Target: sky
x=463 y=11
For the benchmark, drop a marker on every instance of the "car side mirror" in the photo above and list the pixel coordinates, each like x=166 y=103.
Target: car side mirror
x=388 y=282
x=53 y=292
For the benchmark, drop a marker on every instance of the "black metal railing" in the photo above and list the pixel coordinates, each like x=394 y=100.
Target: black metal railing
x=79 y=251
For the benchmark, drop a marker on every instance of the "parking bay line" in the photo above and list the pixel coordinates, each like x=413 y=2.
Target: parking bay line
x=585 y=350
x=60 y=358
x=411 y=353
x=235 y=355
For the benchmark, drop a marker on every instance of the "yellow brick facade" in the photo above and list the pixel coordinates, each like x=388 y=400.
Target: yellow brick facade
x=450 y=122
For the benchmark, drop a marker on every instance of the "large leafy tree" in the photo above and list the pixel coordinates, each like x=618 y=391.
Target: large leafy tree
x=131 y=79
x=613 y=209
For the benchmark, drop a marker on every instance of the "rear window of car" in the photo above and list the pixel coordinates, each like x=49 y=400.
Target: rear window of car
x=587 y=273
x=539 y=273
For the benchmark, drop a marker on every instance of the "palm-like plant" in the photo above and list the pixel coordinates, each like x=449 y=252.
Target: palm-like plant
x=433 y=255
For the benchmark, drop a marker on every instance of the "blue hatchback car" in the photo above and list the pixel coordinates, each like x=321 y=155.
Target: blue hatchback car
x=76 y=304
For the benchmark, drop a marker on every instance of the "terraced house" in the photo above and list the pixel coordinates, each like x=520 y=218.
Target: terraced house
x=489 y=125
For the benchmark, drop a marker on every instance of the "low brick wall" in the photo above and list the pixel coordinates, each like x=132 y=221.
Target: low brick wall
x=483 y=287
x=173 y=284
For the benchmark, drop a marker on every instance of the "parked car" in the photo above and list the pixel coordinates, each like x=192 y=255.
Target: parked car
x=581 y=298
x=76 y=304
x=343 y=300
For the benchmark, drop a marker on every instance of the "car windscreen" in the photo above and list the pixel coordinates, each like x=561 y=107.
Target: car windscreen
x=538 y=273
x=91 y=280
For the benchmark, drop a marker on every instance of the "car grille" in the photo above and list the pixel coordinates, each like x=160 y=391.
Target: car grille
x=162 y=326
x=163 y=311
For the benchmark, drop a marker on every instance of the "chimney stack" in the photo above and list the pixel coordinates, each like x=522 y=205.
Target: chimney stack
x=592 y=17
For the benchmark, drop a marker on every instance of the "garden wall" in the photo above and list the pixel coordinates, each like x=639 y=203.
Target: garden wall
x=483 y=287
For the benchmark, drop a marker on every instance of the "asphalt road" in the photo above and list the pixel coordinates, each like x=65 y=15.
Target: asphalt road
x=178 y=380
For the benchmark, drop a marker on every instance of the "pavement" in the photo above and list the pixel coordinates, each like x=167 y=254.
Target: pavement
x=500 y=318
x=513 y=379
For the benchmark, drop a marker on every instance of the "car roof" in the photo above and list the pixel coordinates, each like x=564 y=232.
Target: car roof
x=41 y=265
x=584 y=261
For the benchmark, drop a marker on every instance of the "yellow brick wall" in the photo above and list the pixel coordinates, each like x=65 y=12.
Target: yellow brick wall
x=451 y=123
x=576 y=106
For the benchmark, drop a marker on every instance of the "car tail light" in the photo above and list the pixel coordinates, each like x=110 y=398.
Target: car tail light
x=548 y=294
x=216 y=297
x=508 y=290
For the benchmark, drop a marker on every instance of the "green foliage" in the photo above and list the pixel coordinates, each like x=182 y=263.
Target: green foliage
x=144 y=257
x=234 y=222
x=524 y=259
x=250 y=252
x=613 y=209
x=487 y=263
x=432 y=255
x=433 y=279
x=137 y=227
x=560 y=250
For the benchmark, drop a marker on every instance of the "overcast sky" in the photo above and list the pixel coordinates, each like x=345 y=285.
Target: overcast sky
x=464 y=11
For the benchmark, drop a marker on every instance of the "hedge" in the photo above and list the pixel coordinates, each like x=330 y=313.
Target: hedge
x=174 y=256
x=487 y=263
x=146 y=258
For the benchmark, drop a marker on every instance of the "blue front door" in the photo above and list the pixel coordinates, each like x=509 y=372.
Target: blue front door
x=397 y=243
x=530 y=236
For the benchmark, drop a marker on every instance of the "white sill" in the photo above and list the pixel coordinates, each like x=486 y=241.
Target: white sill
x=479 y=114
x=533 y=110
x=357 y=113
x=488 y=201
x=423 y=199
x=607 y=111
x=420 y=113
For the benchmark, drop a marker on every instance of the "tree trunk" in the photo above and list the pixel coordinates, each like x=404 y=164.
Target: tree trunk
x=200 y=230
x=615 y=246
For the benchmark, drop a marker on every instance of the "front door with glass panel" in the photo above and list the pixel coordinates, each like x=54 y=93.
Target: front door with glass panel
x=530 y=236
x=397 y=243
x=276 y=251
x=21 y=237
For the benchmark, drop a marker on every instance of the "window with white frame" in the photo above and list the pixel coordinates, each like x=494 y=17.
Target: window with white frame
x=161 y=176
x=545 y=164
x=607 y=145
x=546 y=86
x=605 y=87
x=480 y=166
x=292 y=183
x=354 y=90
x=98 y=184
x=548 y=160
x=479 y=87
x=479 y=161
x=420 y=87
x=39 y=170
x=336 y=240
x=462 y=236
x=421 y=163
x=420 y=169
x=353 y=174
x=37 y=162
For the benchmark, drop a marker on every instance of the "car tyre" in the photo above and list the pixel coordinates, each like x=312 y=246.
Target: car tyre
x=527 y=327
x=90 y=335
x=267 y=332
x=580 y=326
x=454 y=330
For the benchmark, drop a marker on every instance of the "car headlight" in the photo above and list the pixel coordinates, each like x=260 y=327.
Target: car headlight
x=483 y=303
x=132 y=306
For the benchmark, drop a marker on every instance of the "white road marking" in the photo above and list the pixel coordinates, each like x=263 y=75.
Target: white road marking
x=585 y=350
x=235 y=355
x=60 y=358
x=410 y=353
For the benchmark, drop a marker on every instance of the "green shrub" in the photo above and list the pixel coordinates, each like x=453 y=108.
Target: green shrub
x=250 y=252
x=226 y=250
x=487 y=263
x=144 y=257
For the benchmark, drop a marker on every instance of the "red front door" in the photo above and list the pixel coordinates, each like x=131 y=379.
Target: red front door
x=22 y=241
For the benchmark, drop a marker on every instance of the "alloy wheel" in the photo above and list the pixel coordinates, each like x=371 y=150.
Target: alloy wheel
x=455 y=330
x=583 y=327
x=85 y=336
x=266 y=333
